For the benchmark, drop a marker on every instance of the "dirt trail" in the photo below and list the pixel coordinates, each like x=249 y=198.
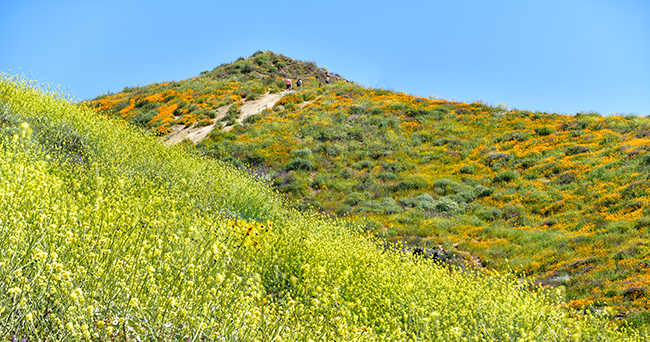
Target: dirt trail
x=251 y=108
x=196 y=134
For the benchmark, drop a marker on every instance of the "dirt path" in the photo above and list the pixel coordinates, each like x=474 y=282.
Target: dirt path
x=196 y=134
x=257 y=106
x=249 y=108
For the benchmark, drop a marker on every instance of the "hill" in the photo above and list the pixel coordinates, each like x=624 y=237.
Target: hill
x=561 y=198
x=109 y=235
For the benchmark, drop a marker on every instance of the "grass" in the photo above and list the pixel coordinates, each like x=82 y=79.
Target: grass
x=116 y=237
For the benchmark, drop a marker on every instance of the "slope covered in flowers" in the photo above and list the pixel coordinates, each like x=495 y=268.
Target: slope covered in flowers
x=563 y=198
x=109 y=235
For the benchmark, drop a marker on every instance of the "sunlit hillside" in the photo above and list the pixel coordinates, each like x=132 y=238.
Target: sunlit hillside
x=562 y=198
x=109 y=235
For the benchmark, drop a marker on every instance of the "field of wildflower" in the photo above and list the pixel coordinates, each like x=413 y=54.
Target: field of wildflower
x=109 y=235
x=561 y=198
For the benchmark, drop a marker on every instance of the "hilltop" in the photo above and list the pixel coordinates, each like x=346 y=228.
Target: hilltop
x=561 y=198
x=194 y=102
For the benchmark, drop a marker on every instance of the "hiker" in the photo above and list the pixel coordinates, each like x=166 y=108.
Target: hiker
x=288 y=83
x=327 y=80
x=299 y=83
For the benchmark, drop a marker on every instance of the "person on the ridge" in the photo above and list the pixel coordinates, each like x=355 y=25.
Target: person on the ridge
x=288 y=83
x=327 y=80
x=299 y=83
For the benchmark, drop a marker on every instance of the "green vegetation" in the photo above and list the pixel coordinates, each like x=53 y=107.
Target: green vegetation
x=537 y=193
x=108 y=235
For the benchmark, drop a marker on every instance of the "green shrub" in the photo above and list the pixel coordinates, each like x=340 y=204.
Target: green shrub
x=505 y=176
x=63 y=141
x=343 y=210
x=397 y=167
x=577 y=149
x=492 y=158
x=386 y=206
x=528 y=163
x=566 y=178
x=357 y=110
x=451 y=143
x=300 y=164
x=120 y=105
x=425 y=201
x=346 y=173
x=464 y=196
x=252 y=119
x=642 y=222
x=304 y=153
x=232 y=114
x=386 y=176
x=365 y=183
x=446 y=205
x=482 y=191
x=416 y=112
x=364 y=164
x=425 y=198
x=467 y=169
x=254 y=158
x=370 y=206
x=408 y=202
x=319 y=181
x=369 y=225
x=144 y=117
x=245 y=67
x=409 y=184
x=444 y=186
x=513 y=136
x=543 y=131
x=234 y=162
x=201 y=123
x=355 y=198
x=329 y=149
x=390 y=206
x=511 y=211
x=489 y=214
x=635 y=189
x=645 y=160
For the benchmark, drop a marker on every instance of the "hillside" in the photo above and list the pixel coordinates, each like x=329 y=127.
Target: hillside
x=561 y=198
x=109 y=235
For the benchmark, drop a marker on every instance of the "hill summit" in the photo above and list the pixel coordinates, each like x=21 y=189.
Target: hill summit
x=561 y=198
x=194 y=103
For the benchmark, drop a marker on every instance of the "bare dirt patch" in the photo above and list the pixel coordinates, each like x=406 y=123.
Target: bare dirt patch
x=249 y=108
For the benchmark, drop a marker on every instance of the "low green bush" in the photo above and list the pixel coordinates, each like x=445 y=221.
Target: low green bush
x=544 y=131
x=505 y=176
x=467 y=169
x=144 y=117
x=299 y=164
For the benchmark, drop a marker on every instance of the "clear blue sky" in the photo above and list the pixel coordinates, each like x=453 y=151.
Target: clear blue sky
x=554 y=55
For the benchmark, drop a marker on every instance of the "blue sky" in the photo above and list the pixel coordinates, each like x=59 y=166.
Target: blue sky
x=555 y=56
